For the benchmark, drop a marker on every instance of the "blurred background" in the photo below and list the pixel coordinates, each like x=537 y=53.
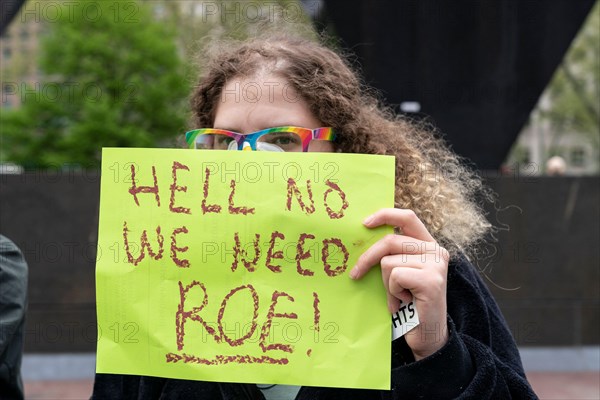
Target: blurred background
x=514 y=87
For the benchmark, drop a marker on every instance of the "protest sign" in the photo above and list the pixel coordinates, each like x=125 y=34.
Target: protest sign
x=233 y=267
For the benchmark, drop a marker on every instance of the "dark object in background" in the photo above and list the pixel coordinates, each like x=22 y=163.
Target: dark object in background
x=476 y=67
x=13 y=303
x=8 y=8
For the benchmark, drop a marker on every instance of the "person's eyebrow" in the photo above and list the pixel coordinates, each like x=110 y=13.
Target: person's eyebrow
x=284 y=123
x=287 y=123
x=226 y=129
x=279 y=125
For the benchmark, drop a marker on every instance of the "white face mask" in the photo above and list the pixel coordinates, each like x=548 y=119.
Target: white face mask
x=260 y=146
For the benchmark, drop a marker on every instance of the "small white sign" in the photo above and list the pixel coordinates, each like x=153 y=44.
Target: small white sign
x=405 y=319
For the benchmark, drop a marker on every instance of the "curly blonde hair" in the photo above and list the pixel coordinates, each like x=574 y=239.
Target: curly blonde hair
x=430 y=179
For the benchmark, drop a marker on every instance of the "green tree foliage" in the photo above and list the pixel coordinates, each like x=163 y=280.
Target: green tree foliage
x=113 y=78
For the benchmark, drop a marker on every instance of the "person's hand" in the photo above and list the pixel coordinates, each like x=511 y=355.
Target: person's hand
x=412 y=264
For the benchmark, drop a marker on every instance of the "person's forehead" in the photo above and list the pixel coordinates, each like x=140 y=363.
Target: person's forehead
x=259 y=102
x=261 y=88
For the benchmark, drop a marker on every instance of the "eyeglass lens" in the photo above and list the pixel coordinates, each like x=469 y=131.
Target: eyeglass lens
x=213 y=142
x=274 y=141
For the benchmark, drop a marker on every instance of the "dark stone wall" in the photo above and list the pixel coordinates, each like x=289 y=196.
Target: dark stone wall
x=53 y=217
x=543 y=270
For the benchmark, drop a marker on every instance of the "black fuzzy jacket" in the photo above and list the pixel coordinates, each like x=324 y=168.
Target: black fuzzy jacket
x=480 y=361
x=13 y=303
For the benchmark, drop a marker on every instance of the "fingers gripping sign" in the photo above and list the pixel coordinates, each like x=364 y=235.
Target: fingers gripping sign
x=413 y=266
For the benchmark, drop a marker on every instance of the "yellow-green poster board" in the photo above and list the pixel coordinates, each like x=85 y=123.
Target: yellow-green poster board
x=233 y=267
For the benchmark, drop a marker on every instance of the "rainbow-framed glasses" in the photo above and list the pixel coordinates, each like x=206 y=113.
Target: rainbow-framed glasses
x=281 y=138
